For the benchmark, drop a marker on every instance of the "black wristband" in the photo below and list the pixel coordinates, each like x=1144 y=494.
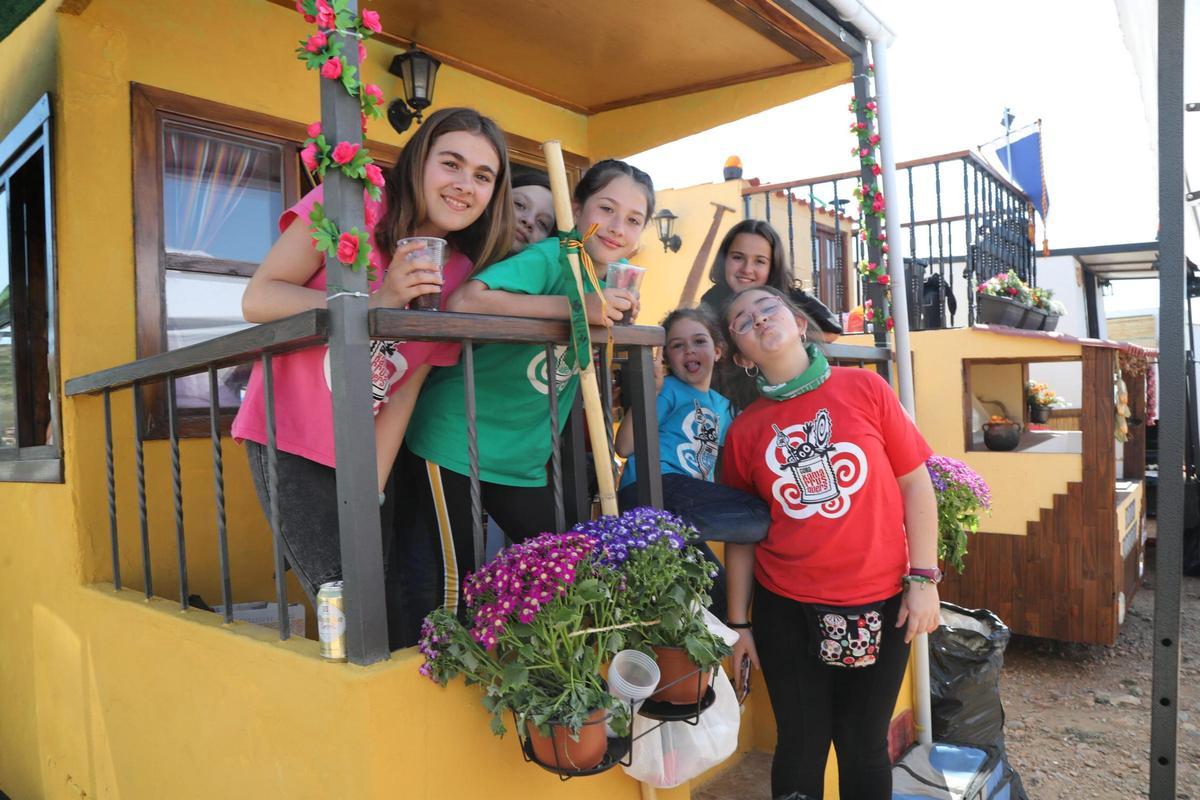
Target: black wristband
x=738 y=626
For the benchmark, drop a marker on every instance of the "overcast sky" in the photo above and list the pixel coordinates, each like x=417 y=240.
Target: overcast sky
x=955 y=65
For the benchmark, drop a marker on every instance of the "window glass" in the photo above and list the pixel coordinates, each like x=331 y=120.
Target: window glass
x=222 y=195
x=201 y=307
x=8 y=399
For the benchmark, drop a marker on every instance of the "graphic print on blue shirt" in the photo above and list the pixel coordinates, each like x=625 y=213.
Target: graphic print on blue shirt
x=691 y=430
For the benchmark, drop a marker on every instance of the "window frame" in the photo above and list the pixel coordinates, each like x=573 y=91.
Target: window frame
x=151 y=107
x=29 y=138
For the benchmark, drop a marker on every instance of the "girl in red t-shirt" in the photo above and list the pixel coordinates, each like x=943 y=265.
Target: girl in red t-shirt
x=842 y=468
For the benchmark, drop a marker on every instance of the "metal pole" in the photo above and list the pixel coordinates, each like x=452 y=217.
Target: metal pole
x=904 y=377
x=349 y=363
x=1172 y=297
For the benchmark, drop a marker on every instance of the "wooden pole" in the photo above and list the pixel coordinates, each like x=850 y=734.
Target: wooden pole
x=588 y=387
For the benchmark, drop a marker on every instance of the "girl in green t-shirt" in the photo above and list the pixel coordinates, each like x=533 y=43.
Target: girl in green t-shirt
x=512 y=387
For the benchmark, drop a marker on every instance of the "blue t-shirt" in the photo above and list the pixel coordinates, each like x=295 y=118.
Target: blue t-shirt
x=691 y=430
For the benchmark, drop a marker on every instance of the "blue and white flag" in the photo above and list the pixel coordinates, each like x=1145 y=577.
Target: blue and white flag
x=1025 y=157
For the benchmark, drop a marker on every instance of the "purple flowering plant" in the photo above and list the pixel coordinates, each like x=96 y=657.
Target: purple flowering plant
x=962 y=495
x=534 y=634
x=661 y=581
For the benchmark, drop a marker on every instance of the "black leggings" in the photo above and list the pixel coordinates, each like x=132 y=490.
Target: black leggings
x=815 y=703
x=435 y=531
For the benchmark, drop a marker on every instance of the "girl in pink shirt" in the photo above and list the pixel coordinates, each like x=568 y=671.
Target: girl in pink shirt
x=451 y=181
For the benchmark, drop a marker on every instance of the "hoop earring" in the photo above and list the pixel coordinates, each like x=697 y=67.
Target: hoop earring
x=750 y=374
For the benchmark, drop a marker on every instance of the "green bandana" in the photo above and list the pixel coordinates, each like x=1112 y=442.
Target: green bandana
x=811 y=378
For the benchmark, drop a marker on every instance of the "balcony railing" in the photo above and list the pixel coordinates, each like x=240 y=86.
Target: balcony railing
x=963 y=222
x=264 y=342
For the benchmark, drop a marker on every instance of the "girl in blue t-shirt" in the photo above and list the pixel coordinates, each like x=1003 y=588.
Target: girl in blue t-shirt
x=692 y=421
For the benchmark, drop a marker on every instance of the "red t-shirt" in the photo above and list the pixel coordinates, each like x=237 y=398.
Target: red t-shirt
x=826 y=463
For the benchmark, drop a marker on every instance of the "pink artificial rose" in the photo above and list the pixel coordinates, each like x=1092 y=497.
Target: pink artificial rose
x=884 y=247
x=309 y=156
x=375 y=175
x=370 y=21
x=374 y=92
x=362 y=53
x=325 y=16
x=332 y=69
x=884 y=279
x=875 y=170
x=872 y=105
x=347 y=249
x=316 y=43
x=309 y=18
x=862 y=126
x=364 y=122
x=314 y=130
x=874 y=138
x=891 y=323
x=345 y=152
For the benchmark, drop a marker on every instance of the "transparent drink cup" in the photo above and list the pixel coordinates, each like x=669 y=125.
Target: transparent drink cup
x=434 y=254
x=625 y=276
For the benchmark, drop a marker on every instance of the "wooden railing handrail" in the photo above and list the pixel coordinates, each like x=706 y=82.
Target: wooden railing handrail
x=312 y=327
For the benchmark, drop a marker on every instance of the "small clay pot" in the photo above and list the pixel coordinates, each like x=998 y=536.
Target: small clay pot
x=674 y=665
x=1001 y=436
x=560 y=751
x=1039 y=414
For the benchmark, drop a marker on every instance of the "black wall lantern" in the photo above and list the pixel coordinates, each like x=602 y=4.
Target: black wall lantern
x=666 y=230
x=418 y=71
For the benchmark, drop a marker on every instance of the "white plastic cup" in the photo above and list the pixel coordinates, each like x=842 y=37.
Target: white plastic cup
x=632 y=676
x=625 y=276
x=434 y=252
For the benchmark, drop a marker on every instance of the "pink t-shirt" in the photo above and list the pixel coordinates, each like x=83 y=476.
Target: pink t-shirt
x=303 y=400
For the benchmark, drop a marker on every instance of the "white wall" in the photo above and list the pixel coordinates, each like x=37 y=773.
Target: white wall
x=1064 y=276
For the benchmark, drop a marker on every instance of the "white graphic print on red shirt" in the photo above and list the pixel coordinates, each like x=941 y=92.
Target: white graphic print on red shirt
x=816 y=474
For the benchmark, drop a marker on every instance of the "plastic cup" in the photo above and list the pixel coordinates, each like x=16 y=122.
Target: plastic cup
x=433 y=252
x=625 y=276
x=632 y=676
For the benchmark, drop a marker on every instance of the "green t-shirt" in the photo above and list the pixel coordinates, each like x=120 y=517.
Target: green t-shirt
x=512 y=407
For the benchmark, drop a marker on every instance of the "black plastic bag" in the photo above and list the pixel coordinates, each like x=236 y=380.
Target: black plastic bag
x=965 y=656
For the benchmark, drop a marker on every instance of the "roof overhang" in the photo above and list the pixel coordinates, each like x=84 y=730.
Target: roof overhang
x=597 y=57
x=1116 y=262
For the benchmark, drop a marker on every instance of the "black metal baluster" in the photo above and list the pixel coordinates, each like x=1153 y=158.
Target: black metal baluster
x=746 y=206
x=839 y=269
x=941 y=270
x=273 y=492
x=214 y=423
x=604 y=376
x=468 y=353
x=112 y=492
x=812 y=234
x=976 y=226
x=576 y=503
x=140 y=461
x=966 y=187
x=643 y=406
x=556 y=471
x=767 y=200
x=791 y=233
x=177 y=491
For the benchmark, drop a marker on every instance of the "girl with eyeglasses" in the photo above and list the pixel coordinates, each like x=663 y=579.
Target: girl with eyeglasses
x=847 y=573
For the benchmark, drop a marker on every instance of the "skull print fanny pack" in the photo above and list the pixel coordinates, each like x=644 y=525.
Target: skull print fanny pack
x=847 y=636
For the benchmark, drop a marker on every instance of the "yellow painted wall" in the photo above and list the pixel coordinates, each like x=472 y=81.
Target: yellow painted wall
x=625 y=131
x=1002 y=383
x=28 y=64
x=1021 y=483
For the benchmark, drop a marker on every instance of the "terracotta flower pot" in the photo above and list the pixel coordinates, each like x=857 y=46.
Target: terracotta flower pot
x=560 y=751
x=673 y=665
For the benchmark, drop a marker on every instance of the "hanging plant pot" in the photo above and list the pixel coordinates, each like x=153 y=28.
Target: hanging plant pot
x=682 y=682
x=993 y=310
x=561 y=753
x=1039 y=414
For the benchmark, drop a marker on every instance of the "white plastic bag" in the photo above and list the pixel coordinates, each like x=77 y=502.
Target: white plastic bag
x=678 y=752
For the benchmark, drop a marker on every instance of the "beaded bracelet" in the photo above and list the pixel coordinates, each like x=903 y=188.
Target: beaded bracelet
x=918 y=579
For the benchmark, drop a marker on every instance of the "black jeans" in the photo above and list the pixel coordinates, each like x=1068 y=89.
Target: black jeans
x=815 y=703
x=719 y=512
x=308 y=526
x=435 y=542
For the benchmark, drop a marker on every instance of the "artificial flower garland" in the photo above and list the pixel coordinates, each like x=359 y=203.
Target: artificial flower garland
x=322 y=51
x=871 y=202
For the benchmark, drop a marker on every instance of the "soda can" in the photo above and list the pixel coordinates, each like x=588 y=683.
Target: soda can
x=331 y=621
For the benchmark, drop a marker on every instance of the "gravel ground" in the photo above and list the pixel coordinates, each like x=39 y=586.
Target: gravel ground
x=1078 y=716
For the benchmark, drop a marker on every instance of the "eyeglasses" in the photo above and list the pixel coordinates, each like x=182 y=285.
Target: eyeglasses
x=744 y=321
